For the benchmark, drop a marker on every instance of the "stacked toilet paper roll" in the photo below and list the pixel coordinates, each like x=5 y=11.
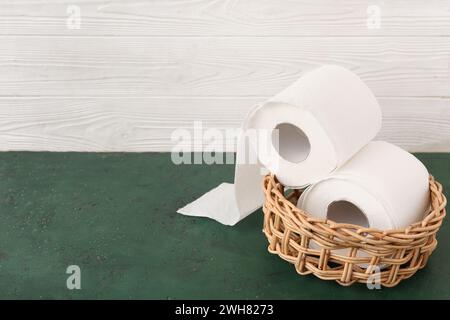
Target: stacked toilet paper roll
x=322 y=120
x=311 y=130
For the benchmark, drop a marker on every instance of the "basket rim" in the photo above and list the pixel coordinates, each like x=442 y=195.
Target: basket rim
x=437 y=212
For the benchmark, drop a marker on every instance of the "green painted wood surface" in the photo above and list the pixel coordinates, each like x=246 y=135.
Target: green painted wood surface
x=115 y=216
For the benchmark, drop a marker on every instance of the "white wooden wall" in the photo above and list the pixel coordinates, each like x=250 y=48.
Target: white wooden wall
x=136 y=70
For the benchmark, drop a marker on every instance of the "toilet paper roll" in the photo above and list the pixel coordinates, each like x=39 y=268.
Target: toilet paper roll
x=309 y=129
x=382 y=187
x=323 y=119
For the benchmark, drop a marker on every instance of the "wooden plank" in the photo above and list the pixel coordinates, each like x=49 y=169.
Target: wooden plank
x=261 y=66
x=227 y=17
x=146 y=124
x=416 y=124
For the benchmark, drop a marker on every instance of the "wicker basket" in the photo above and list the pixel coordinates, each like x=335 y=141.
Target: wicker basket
x=402 y=252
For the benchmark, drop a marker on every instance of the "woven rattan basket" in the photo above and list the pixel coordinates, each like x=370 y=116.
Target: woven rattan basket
x=400 y=253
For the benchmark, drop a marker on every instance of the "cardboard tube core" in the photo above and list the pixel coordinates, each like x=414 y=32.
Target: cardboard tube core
x=343 y=211
x=292 y=144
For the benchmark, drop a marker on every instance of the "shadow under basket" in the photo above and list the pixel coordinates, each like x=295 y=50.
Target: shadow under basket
x=348 y=253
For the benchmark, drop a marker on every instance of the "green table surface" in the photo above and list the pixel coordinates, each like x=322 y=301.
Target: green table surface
x=114 y=215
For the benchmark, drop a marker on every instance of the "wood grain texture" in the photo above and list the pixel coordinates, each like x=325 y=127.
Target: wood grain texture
x=146 y=124
x=226 y=17
x=237 y=66
x=136 y=70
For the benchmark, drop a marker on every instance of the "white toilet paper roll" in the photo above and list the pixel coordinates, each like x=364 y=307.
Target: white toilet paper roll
x=315 y=125
x=382 y=187
x=323 y=119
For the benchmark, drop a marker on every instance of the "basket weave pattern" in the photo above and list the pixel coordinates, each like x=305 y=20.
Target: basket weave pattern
x=312 y=245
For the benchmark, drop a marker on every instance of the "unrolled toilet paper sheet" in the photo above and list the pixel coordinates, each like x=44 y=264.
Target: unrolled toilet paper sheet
x=229 y=203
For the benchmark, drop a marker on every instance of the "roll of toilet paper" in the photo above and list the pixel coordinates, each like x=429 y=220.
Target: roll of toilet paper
x=323 y=119
x=381 y=187
x=303 y=134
